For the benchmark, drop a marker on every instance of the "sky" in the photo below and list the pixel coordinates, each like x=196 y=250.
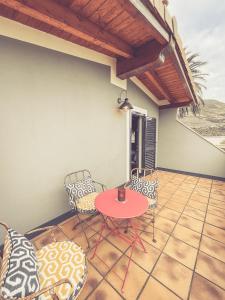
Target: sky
x=201 y=25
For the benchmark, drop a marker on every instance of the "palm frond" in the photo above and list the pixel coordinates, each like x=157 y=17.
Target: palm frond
x=200 y=85
x=200 y=77
x=191 y=56
x=195 y=64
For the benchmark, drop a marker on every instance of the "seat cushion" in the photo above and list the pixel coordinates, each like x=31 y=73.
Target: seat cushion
x=79 y=189
x=19 y=273
x=62 y=260
x=86 y=204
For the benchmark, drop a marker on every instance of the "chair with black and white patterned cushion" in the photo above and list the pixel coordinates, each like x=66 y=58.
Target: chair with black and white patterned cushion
x=26 y=274
x=82 y=191
x=145 y=181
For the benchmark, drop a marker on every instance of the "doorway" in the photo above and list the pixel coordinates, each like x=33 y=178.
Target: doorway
x=141 y=139
x=136 y=141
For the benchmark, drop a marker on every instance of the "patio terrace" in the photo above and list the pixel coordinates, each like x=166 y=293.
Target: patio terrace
x=186 y=262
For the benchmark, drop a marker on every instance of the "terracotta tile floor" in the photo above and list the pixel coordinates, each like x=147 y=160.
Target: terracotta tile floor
x=186 y=262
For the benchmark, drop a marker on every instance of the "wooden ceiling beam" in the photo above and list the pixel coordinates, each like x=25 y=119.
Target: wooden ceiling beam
x=62 y=18
x=157 y=82
x=171 y=52
x=144 y=58
x=175 y=105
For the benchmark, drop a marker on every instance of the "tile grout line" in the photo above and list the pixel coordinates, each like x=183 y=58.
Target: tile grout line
x=209 y=237
x=176 y=225
x=124 y=253
x=204 y=211
x=161 y=250
x=103 y=276
x=179 y=224
x=170 y=235
x=150 y=274
x=194 y=272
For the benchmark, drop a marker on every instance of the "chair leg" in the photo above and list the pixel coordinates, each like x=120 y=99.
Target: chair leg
x=153 y=224
x=83 y=229
x=127 y=225
x=54 y=296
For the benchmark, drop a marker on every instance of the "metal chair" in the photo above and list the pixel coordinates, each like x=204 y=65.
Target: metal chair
x=151 y=175
x=84 y=204
x=27 y=274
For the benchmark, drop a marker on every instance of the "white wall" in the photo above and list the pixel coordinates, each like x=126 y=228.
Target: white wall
x=57 y=115
x=179 y=148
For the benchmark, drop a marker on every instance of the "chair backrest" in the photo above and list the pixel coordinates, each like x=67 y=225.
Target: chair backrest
x=140 y=172
x=76 y=176
x=149 y=174
x=5 y=226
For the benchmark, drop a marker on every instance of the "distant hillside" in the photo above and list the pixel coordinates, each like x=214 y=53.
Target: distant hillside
x=211 y=121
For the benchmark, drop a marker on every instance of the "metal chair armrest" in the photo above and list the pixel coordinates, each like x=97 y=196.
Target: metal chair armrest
x=46 y=228
x=101 y=184
x=127 y=184
x=47 y=289
x=41 y=229
x=4 y=225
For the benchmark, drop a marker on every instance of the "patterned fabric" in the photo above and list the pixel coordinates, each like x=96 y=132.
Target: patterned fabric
x=80 y=189
x=87 y=204
x=19 y=276
x=62 y=260
x=146 y=188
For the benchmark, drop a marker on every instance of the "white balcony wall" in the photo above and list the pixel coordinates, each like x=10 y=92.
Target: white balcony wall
x=58 y=114
x=179 y=148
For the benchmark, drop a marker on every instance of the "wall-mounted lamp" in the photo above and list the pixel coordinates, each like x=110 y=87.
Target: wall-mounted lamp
x=124 y=102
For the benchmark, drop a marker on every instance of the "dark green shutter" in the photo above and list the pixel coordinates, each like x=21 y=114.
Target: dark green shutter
x=149 y=142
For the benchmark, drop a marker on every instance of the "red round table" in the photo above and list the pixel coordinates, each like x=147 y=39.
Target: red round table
x=135 y=205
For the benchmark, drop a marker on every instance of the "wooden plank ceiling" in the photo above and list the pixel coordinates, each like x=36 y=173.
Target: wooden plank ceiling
x=115 y=28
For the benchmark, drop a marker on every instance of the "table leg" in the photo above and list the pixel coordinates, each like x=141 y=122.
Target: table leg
x=128 y=265
x=135 y=239
x=137 y=236
x=100 y=237
x=105 y=220
x=126 y=229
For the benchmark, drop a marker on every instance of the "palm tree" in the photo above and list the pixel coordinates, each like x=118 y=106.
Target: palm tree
x=199 y=77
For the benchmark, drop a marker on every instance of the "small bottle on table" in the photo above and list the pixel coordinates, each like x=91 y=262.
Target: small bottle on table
x=121 y=194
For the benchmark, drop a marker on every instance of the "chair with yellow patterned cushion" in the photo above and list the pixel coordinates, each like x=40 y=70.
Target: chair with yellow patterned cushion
x=82 y=191
x=56 y=271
